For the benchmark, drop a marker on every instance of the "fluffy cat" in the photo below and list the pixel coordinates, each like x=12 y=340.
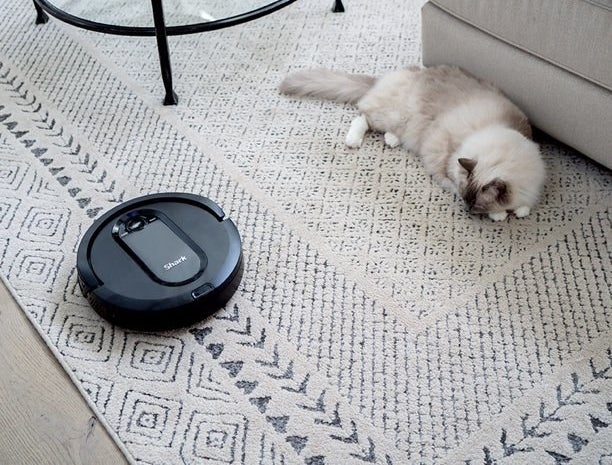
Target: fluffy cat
x=470 y=137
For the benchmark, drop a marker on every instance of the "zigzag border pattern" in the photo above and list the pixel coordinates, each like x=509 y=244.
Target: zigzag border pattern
x=260 y=352
x=96 y=176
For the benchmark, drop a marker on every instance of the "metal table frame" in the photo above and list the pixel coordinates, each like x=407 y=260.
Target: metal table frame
x=160 y=30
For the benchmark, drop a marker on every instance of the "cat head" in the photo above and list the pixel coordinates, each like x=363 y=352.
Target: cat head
x=483 y=195
x=497 y=169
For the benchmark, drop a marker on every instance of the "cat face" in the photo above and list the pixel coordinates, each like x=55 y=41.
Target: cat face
x=483 y=197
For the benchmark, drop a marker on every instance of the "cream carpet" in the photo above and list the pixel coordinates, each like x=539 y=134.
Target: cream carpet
x=377 y=322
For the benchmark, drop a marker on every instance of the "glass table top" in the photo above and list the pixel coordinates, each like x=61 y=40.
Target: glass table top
x=139 y=13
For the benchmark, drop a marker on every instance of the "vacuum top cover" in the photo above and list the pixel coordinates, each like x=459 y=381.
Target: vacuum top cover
x=160 y=261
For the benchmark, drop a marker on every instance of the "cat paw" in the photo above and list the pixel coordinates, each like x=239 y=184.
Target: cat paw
x=522 y=212
x=391 y=140
x=498 y=216
x=356 y=133
x=353 y=141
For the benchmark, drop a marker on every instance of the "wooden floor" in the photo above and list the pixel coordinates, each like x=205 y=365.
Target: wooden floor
x=43 y=417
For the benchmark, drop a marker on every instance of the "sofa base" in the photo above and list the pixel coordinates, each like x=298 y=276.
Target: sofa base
x=569 y=108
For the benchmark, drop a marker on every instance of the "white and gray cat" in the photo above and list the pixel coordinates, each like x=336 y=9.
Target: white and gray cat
x=471 y=138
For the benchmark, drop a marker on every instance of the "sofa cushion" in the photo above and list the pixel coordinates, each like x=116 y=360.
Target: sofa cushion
x=573 y=34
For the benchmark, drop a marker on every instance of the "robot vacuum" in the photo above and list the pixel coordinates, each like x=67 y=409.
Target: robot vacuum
x=160 y=261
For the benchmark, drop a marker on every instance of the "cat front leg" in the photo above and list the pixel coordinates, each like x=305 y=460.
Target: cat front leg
x=356 y=133
x=391 y=140
x=522 y=212
x=498 y=216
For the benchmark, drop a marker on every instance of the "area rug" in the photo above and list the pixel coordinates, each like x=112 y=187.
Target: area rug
x=377 y=321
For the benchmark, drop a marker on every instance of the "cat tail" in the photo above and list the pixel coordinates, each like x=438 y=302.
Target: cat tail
x=327 y=84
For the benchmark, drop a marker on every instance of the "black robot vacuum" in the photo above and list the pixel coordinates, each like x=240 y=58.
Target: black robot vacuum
x=160 y=261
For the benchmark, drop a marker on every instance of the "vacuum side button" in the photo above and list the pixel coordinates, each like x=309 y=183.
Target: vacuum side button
x=202 y=290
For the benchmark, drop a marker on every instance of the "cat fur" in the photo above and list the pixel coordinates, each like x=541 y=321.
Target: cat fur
x=470 y=137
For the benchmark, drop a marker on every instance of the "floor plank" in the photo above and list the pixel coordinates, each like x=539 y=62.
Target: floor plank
x=43 y=417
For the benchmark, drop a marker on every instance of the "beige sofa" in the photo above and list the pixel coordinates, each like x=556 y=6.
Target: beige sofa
x=552 y=57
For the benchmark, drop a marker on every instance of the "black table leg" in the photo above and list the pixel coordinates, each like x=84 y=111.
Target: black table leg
x=338 y=6
x=164 y=54
x=41 y=16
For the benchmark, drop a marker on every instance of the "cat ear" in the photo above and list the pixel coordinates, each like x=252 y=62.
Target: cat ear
x=468 y=164
x=499 y=188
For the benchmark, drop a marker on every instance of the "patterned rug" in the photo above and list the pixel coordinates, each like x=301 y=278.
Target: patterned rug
x=377 y=322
